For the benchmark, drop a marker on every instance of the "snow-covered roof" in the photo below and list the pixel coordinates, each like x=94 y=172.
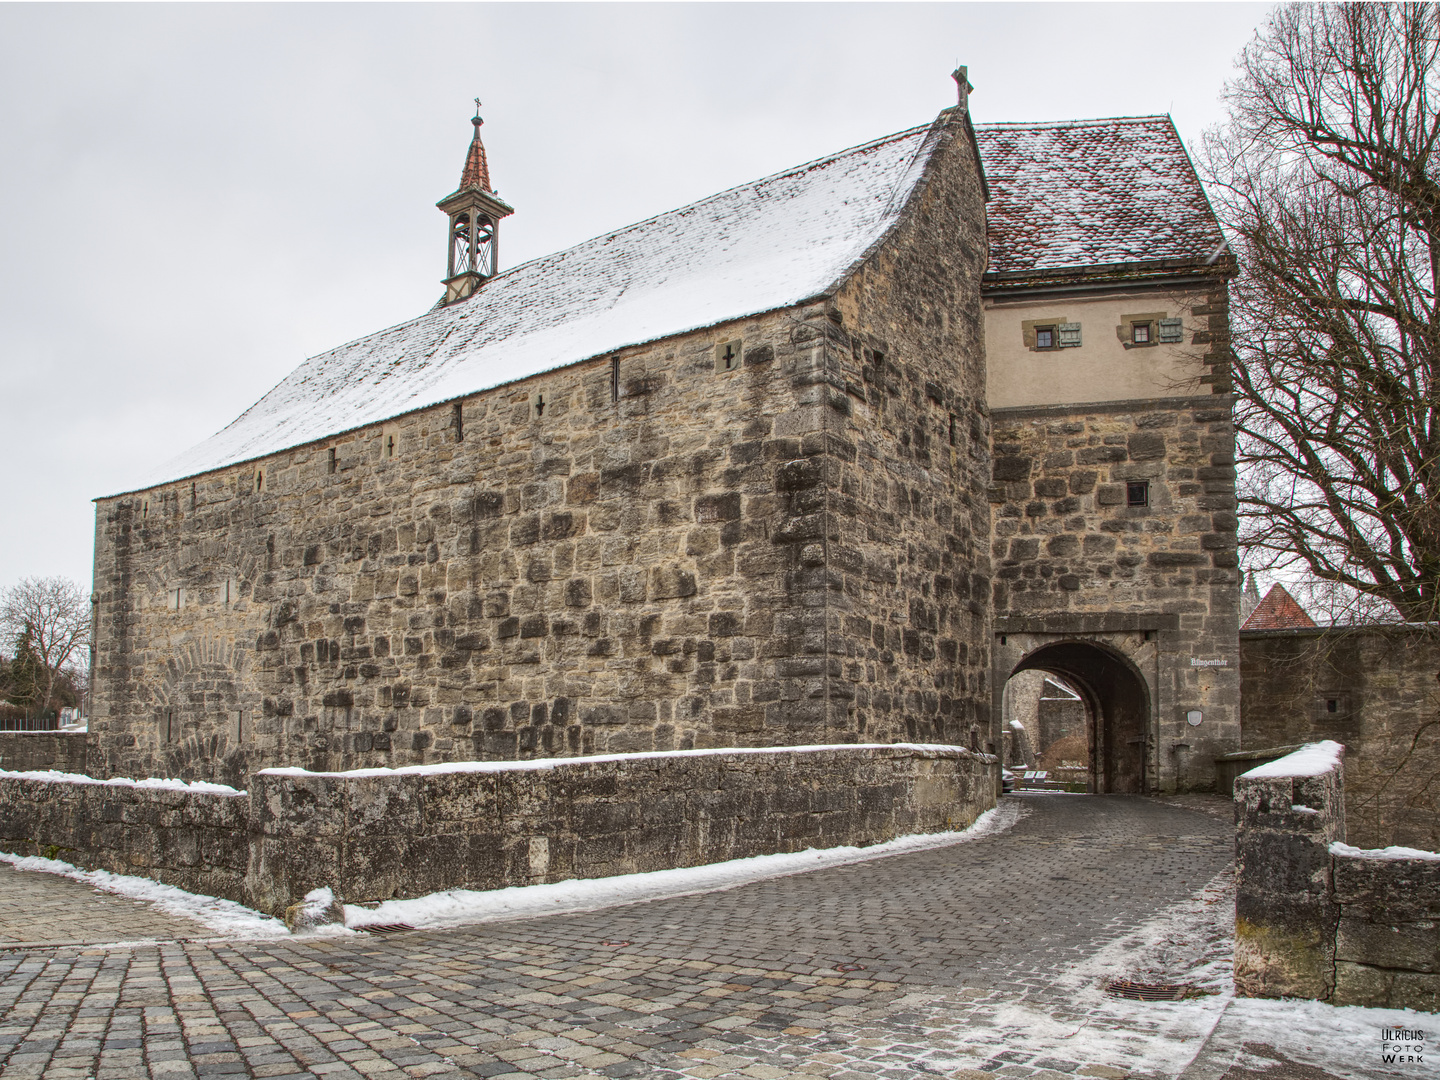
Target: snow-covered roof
x=759 y=247
x=1092 y=192
x=1062 y=197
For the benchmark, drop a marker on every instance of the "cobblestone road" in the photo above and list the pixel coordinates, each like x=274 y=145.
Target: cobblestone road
x=899 y=967
x=43 y=909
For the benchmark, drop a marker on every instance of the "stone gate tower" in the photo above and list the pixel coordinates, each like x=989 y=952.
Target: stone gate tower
x=1114 y=483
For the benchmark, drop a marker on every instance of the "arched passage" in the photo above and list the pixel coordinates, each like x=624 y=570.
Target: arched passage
x=1118 y=703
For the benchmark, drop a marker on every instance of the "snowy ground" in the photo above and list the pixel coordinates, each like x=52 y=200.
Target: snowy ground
x=1075 y=1021
x=224 y=917
x=1045 y=1028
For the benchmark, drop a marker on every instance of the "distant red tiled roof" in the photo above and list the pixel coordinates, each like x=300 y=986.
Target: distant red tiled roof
x=1092 y=193
x=1278 y=611
x=477 y=170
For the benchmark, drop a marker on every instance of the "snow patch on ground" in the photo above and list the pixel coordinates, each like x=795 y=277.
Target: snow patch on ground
x=1073 y=1020
x=459 y=907
x=222 y=916
x=1312 y=759
x=534 y=764
x=53 y=776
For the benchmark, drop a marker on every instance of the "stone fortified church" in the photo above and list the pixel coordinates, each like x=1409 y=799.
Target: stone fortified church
x=824 y=458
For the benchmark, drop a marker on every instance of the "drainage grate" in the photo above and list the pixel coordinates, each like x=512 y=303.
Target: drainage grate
x=1136 y=991
x=385 y=929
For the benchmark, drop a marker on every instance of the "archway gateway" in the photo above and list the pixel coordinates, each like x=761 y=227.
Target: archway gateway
x=1118 y=703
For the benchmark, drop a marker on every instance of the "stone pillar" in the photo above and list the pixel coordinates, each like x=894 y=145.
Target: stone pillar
x=1286 y=815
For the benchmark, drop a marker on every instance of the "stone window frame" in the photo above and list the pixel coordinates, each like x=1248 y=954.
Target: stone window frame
x=1148 y=319
x=1030 y=328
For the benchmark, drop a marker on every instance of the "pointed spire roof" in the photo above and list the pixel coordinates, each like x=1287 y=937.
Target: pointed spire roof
x=1249 y=596
x=477 y=169
x=1278 y=611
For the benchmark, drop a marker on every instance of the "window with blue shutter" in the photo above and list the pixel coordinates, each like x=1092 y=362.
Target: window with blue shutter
x=1069 y=335
x=1171 y=330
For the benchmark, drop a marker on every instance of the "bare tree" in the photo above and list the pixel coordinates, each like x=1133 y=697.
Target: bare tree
x=55 y=613
x=1327 y=181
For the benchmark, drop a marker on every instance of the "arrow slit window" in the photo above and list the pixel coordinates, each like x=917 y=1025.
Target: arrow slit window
x=728 y=355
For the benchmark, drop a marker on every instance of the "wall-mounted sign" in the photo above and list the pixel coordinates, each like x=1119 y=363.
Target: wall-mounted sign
x=1196 y=661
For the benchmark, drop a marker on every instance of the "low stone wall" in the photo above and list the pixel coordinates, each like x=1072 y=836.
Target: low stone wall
x=378 y=834
x=1387 y=940
x=1371 y=688
x=194 y=839
x=496 y=824
x=1284 y=918
x=1229 y=766
x=63 y=751
x=1316 y=918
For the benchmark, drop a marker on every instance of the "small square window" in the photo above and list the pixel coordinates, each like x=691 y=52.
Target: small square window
x=1045 y=337
x=1137 y=493
x=1140 y=333
x=1069 y=335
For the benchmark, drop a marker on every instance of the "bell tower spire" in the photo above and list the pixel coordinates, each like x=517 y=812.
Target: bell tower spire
x=474 y=213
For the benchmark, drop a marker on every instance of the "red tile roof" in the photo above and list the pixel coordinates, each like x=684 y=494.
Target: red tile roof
x=1278 y=611
x=1092 y=193
x=477 y=170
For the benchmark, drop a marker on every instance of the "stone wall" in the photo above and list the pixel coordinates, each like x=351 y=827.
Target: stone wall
x=408 y=835
x=790 y=551
x=1073 y=561
x=1375 y=690
x=906 y=581
x=1387 y=939
x=1284 y=917
x=1153 y=589
x=1230 y=766
x=1318 y=918
x=64 y=751
x=492 y=825
x=195 y=840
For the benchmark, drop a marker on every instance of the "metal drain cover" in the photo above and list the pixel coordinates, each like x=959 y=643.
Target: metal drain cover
x=1138 y=991
x=385 y=929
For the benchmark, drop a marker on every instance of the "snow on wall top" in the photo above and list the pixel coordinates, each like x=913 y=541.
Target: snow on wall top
x=1092 y=192
x=764 y=245
x=1312 y=759
x=440 y=768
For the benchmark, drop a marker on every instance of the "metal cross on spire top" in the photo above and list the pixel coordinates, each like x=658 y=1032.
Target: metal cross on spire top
x=477 y=108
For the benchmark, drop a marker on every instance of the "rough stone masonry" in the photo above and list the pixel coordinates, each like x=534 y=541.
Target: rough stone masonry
x=646 y=551
x=768 y=523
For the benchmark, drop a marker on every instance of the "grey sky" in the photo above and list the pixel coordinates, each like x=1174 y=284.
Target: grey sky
x=195 y=198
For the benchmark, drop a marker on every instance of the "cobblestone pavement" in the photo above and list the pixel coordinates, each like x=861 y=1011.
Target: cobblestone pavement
x=43 y=909
x=914 y=965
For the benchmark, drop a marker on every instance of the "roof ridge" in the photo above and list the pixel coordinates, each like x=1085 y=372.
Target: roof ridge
x=794 y=170
x=1090 y=122
x=538 y=259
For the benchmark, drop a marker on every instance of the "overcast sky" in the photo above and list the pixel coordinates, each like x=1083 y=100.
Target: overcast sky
x=193 y=199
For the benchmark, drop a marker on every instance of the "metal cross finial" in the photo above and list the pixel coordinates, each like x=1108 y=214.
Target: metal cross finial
x=477 y=107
